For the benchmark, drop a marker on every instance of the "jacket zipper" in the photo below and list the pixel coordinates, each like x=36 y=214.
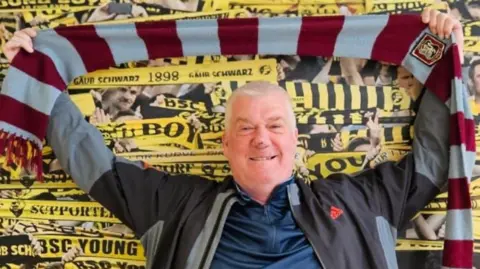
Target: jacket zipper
x=214 y=231
x=306 y=235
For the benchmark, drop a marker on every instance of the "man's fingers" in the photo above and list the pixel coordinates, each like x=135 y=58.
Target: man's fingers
x=426 y=15
x=24 y=36
x=441 y=20
x=448 y=27
x=433 y=21
x=17 y=42
x=30 y=31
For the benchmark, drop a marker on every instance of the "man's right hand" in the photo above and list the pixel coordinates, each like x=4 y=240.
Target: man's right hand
x=21 y=40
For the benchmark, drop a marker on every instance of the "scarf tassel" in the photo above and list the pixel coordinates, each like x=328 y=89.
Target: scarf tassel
x=21 y=152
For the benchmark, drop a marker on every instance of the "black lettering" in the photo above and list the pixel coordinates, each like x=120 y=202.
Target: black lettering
x=174 y=129
x=132 y=248
x=119 y=247
x=355 y=161
x=379 y=7
x=94 y=246
x=75 y=211
x=107 y=247
x=86 y=264
x=152 y=129
x=105 y=265
x=182 y=103
x=169 y=102
x=66 y=245
x=54 y=247
x=34 y=209
x=83 y=243
x=122 y=265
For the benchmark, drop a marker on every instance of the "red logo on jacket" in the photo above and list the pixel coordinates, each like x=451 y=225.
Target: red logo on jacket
x=335 y=212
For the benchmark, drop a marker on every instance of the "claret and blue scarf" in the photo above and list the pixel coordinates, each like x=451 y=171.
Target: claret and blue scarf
x=34 y=81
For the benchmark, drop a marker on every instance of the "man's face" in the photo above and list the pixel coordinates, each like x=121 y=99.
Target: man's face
x=407 y=81
x=476 y=80
x=123 y=98
x=260 y=143
x=474 y=10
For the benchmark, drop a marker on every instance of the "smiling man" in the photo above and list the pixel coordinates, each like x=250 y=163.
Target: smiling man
x=260 y=141
x=261 y=216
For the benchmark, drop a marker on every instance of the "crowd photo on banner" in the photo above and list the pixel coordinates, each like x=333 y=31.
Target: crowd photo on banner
x=351 y=113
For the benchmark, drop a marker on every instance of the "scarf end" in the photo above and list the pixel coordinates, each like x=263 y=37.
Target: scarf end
x=22 y=153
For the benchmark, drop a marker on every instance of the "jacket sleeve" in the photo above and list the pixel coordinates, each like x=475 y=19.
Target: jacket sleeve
x=136 y=195
x=398 y=190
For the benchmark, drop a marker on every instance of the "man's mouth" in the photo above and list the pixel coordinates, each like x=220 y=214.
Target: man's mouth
x=264 y=158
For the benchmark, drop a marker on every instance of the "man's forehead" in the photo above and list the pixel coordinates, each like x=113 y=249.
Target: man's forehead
x=268 y=118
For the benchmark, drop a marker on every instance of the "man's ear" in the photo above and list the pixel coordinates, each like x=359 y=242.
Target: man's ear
x=225 y=143
x=471 y=87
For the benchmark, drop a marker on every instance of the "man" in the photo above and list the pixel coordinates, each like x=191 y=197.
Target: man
x=407 y=81
x=474 y=80
x=117 y=102
x=260 y=217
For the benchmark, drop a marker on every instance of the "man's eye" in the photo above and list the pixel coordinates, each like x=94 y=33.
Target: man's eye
x=275 y=126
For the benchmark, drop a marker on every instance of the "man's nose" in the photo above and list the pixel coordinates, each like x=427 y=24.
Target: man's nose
x=261 y=137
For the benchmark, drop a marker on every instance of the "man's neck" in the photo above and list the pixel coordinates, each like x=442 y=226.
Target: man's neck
x=477 y=99
x=261 y=193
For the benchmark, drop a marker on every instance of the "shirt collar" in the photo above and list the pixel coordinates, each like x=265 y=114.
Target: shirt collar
x=276 y=193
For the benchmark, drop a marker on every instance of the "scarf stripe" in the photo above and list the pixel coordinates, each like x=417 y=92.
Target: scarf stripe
x=41 y=99
x=198 y=36
x=278 y=35
x=457 y=254
x=397 y=36
x=37 y=127
x=316 y=40
x=238 y=35
x=65 y=53
x=165 y=31
x=458 y=185
x=122 y=51
x=47 y=74
x=103 y=55
x=353 y=42
x=66 y=58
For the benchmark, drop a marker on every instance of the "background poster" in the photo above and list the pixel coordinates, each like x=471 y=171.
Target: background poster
x=352 y=114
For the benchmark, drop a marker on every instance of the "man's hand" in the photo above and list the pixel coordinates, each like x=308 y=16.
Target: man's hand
x=21 y=40
x=444 y=25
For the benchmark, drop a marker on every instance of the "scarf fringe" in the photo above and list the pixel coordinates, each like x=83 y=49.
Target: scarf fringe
x=21 y=152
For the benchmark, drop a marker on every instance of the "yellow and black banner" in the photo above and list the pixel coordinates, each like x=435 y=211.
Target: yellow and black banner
x=282 y=10
x=153 y=132
x=16 y=5
x=244 y=70
x=55 y=210
x=92 y=262
x=398 y=7
x=426 y=245
x=325 y=9
x=18 y=247
x=51 y=181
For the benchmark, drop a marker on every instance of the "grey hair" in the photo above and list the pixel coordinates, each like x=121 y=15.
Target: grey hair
x=257 y=89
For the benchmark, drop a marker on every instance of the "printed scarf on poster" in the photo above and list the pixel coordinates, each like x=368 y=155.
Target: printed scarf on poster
x=34 y=81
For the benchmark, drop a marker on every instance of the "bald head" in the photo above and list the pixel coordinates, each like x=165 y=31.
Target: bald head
x=259 y=89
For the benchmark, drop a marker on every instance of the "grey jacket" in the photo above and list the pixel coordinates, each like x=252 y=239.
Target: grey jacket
x=179 y=218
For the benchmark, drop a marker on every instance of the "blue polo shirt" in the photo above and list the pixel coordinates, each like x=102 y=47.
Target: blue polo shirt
x=263 y=236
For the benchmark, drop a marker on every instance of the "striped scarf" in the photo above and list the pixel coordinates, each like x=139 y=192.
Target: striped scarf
x=34 y=81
